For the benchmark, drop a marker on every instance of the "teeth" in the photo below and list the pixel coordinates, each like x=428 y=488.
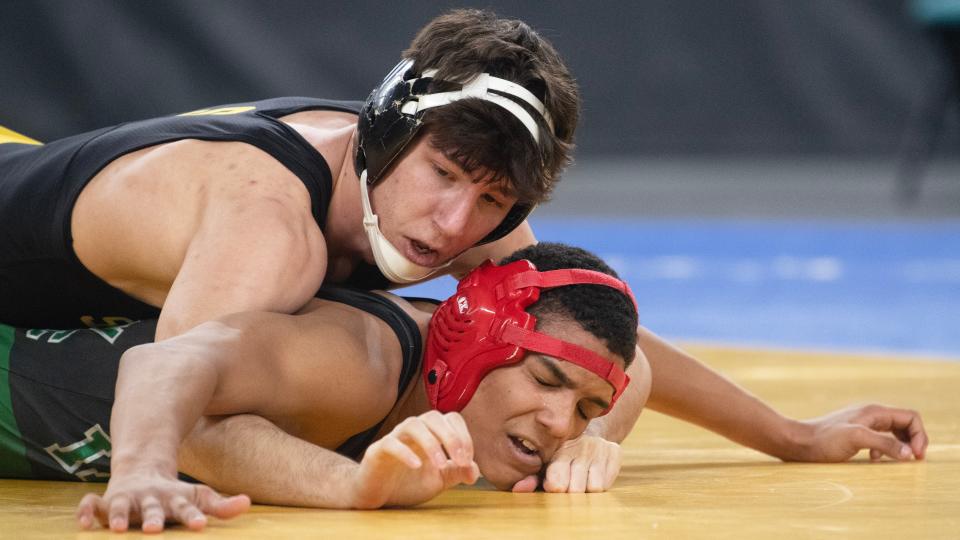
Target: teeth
x=528 y=445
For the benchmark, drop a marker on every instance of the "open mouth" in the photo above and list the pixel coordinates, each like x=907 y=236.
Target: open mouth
x=421 y=253
x=526 y=449
x=421 y=248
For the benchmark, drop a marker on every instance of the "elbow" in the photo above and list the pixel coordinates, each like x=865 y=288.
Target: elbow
x=197 y=353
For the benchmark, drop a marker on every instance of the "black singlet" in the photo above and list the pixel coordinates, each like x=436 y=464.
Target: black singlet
x=43 y=283
x=57 y=389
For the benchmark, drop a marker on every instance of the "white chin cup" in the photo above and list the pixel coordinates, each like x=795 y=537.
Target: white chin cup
x=390 y=261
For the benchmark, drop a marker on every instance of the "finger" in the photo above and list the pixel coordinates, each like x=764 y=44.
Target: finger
x=468 y=474
x=119 y=514
x=596 y=477
x=905 y=423
x=557 y=479
x=460 y=425
x=452 y=475
x=415 y=432
x=86 y=510
x=213 y=504
x=471 y=473
x=875 y=455
x=448 y=435
x=885 y=444
x=103 y=513
x=187 y=513
x=578 y=477
x=526 y=485
x=613 y=467
x=226 y=507
x=395 y=449
x=151 y=515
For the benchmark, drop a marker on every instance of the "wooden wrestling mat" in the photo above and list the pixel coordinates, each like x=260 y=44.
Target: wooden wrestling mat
x=678 y=481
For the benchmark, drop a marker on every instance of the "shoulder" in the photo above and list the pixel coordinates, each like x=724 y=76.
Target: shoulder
x=329 y=132
x=419 y=312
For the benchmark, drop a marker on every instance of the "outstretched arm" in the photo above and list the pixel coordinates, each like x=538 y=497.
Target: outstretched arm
x=687 y=389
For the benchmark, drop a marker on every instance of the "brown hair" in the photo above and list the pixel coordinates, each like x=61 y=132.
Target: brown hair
x=479 y=134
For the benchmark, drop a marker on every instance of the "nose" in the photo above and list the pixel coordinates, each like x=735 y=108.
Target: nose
x=557 y=416
x=455 y=213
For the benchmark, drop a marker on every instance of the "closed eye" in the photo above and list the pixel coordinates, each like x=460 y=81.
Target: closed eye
x=582 y=414
x=547 y=384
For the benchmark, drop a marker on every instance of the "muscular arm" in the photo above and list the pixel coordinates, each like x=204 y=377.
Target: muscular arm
x=276 y=366
x=249 y=454
x=256 y=248
x=203 y=229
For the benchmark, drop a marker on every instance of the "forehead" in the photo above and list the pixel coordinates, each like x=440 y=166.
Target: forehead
x=461 y=164
x=571 y=332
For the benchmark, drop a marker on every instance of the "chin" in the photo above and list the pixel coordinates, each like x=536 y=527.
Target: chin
x=501 y=476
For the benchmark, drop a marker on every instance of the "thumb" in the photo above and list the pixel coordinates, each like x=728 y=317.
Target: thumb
x=225 y=507
x=526 y=485
x=882 y=444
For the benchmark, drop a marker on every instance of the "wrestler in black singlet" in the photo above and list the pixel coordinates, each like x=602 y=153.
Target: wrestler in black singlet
x=42 y=282
x=57 y=389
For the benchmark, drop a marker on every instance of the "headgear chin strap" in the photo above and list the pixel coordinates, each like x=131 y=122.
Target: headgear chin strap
x=390 y=261
x=485 y=325
x=390 y=119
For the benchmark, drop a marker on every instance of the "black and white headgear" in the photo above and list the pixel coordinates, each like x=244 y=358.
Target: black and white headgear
x=391 y=118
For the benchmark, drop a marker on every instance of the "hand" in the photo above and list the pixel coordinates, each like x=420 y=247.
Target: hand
x=587 y=463
x=153 y=499
x=423 y=456
x=886 y=431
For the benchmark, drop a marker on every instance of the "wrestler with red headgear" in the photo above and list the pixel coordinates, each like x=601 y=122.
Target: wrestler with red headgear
x=516 y=364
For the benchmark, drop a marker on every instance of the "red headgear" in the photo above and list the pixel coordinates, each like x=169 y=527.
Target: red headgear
x=485 y=326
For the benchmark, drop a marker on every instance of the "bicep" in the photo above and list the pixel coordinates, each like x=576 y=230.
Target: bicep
x=261 y=256
x=295 y=366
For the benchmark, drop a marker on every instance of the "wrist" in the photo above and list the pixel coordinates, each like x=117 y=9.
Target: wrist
x=794 y=441
x=596 y=428
x=126 y=465
x=356 y=492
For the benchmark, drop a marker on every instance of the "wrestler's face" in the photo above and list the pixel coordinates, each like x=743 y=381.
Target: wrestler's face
x=431 y=210
x=542 y=400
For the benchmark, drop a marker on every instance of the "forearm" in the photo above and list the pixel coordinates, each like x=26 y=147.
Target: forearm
x=617 y=424
x=685 y=388
x=160 y=395
x=248 y=454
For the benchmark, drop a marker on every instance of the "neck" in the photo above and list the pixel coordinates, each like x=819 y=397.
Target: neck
x=344 y=233
x=413 y=403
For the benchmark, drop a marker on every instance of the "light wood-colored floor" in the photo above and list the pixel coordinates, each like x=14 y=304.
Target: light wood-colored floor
x=677 y=481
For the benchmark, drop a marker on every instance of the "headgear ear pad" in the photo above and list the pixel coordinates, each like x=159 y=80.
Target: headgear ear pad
x=485 y=325
x=385 y=129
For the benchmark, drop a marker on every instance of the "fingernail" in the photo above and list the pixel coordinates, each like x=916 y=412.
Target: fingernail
x=440 y=459
x=904 y=451
x=85 y=522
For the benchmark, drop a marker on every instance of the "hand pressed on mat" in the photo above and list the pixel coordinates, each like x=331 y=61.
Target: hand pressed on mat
x=840 y=435
x=586 y=464
x=152 y=500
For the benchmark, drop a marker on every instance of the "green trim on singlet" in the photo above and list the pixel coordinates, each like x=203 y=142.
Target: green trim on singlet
x=13 y=460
